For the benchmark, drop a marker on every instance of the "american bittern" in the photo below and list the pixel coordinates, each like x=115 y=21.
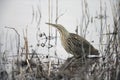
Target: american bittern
x=73 y=43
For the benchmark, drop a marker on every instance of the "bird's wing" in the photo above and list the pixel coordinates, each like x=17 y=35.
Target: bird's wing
x=80 y=39
x=80 y=44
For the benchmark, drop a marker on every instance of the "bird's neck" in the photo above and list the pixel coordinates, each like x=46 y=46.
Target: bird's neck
x=64 y=34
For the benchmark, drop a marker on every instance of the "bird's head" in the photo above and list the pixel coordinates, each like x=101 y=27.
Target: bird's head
x=60 y=28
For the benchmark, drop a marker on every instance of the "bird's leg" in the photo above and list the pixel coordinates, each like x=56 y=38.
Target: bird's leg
x=72 y=59
x=83 y=58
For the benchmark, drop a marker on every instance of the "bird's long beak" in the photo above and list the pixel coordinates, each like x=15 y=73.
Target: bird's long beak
x=60 y=28
x=54 y=25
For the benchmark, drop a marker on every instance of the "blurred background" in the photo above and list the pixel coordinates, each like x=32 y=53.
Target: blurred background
x=23 y=29
x=79 y=16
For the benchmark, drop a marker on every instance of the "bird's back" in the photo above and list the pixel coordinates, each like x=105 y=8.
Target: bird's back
x=78 y=46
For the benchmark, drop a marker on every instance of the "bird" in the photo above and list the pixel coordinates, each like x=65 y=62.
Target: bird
x=73 y=43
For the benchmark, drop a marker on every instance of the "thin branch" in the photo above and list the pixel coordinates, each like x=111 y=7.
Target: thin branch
x=56 y=20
